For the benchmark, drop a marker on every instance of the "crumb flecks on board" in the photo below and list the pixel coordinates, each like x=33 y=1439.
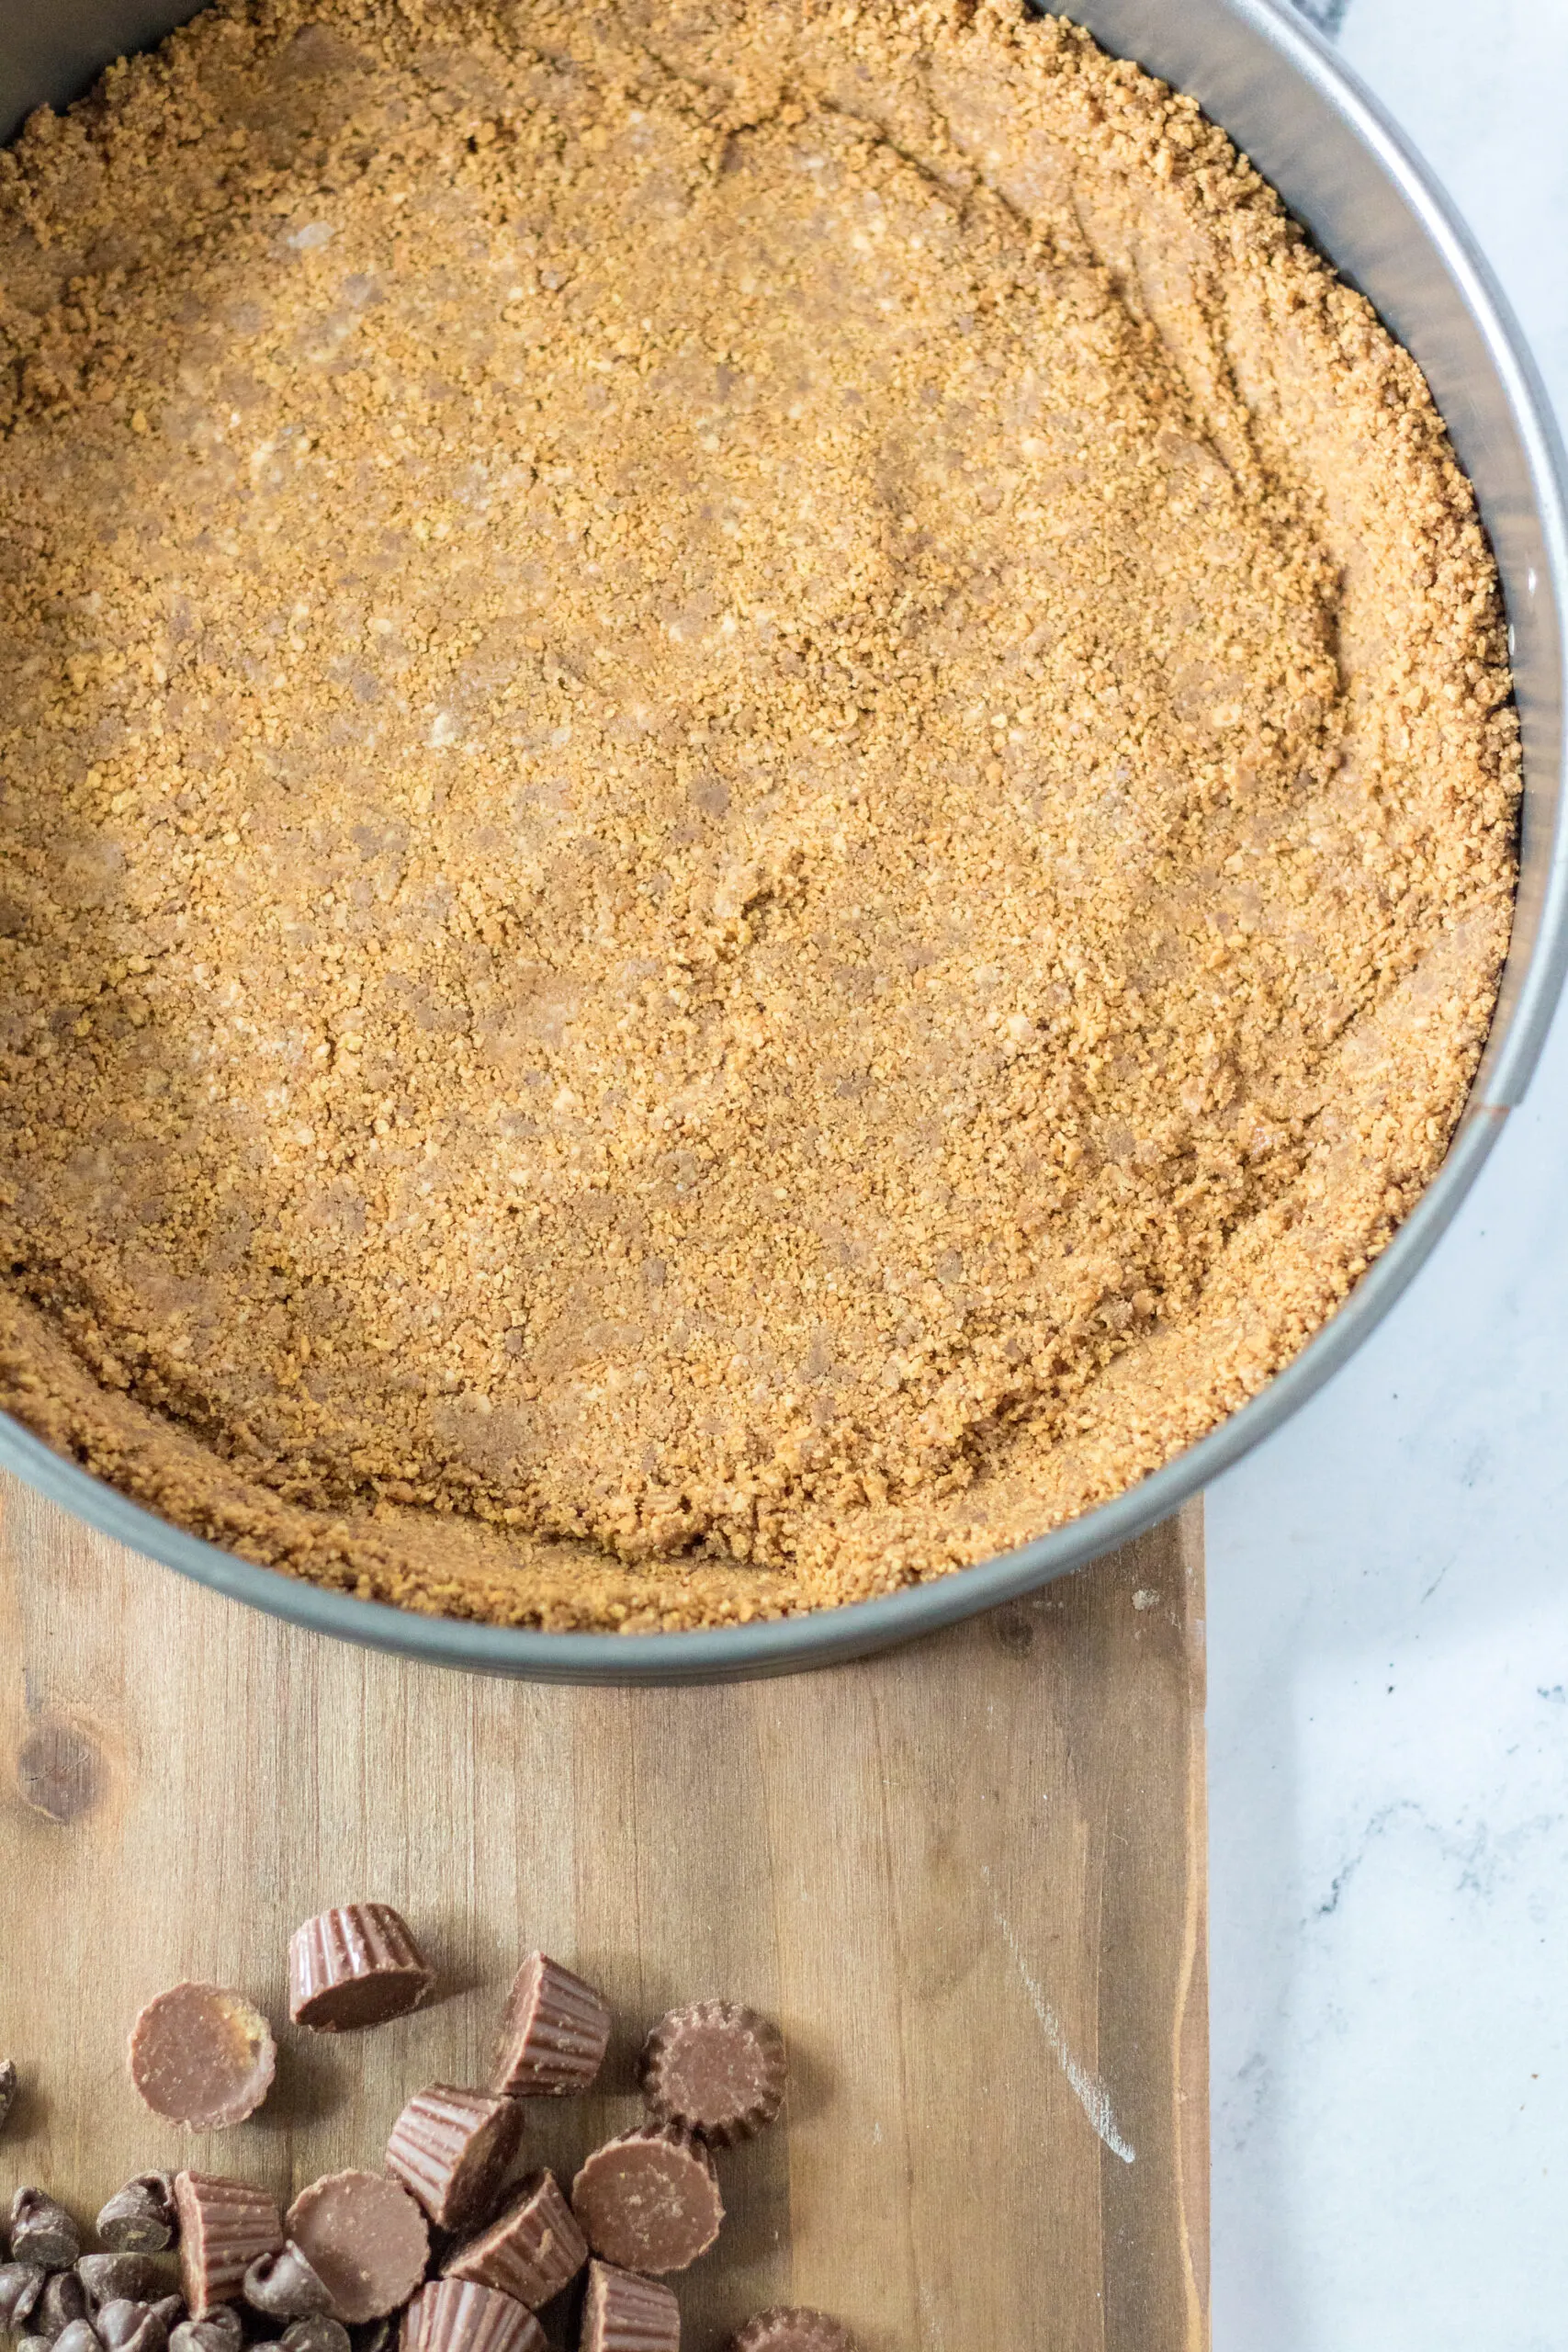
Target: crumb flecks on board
x=1087 y=2087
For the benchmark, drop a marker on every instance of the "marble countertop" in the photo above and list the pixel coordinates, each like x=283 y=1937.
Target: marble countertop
x=1388 y=1607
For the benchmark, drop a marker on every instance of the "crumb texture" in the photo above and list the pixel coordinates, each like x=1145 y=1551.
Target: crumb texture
x=756 y=792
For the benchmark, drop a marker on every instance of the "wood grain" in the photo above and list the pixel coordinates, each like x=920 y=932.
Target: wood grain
x=967 y=1877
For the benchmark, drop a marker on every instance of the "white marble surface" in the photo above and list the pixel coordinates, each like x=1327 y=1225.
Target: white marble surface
x=1388 y=1587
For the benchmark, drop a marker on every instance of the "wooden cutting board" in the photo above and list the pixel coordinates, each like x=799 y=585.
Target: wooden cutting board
x=967 y=1877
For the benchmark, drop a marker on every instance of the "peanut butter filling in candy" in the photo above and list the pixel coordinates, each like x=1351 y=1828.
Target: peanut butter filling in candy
x=758 y=821
x=202 y=2056
x=356 y=1965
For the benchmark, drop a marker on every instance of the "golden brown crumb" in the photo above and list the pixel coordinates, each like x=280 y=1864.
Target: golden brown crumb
x=757 y=792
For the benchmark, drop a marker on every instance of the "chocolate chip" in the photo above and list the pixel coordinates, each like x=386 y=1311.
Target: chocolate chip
x=21 y=2284
x=118 y=2321
x=127 y=2325
x=80 y=2337
x=220 y=2331
x=64 y=2298
x=152 y=2335
x=43 y=2232
x=285 y=2285
x=139 y=2218
x=171 y=2308
x=34 y=2344
x=108 y=2277
x=319 y=2333
x=8 y=2087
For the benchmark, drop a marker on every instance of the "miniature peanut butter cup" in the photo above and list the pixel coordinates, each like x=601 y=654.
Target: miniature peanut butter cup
x=794 y=2330
x=623 y=2313
x=649 y=2200
x=451 y=2150
x=554 y=2035
x=717 y=2069
x=353 y=1966
x=532 y=2249
x=459 y=2315
x=366 y=2239
x=224 y=2224
x=203 y=2056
